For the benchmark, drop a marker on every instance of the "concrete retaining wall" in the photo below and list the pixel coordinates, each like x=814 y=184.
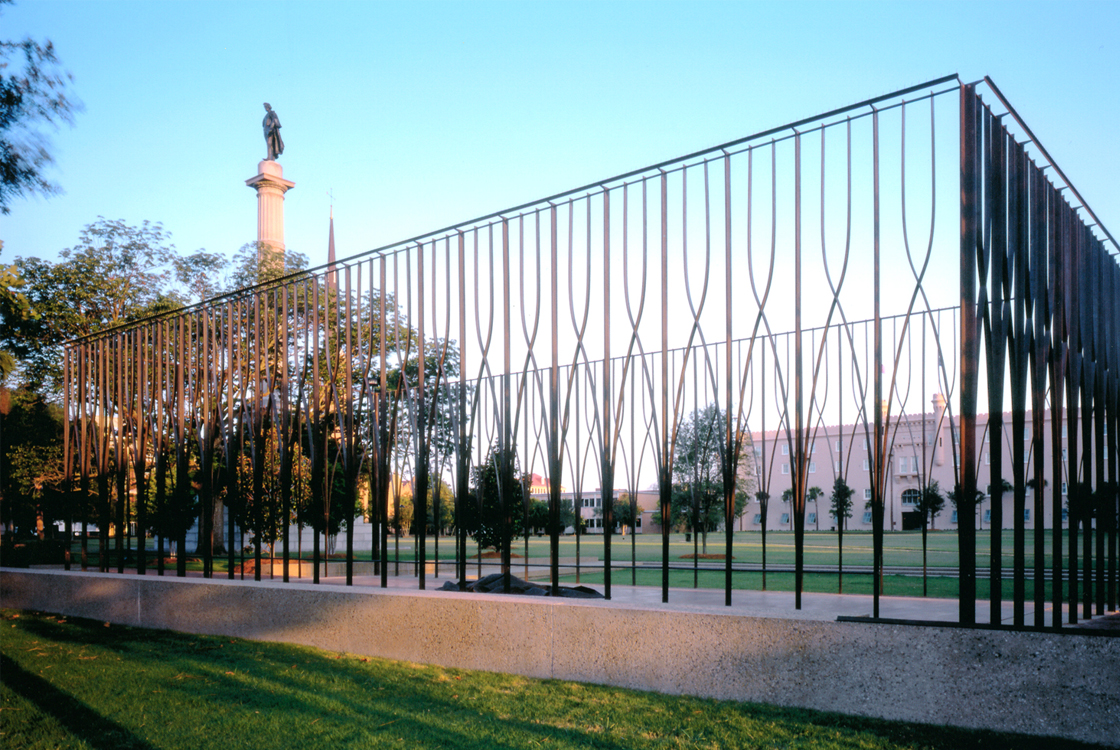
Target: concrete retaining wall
x=1038 y=683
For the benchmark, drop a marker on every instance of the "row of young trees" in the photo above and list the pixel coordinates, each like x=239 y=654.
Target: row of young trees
x=117 y=274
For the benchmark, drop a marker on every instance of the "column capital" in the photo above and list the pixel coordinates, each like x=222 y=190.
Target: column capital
x=270 y=175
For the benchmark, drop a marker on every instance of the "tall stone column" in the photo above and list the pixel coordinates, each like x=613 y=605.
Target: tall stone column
x=270 y=186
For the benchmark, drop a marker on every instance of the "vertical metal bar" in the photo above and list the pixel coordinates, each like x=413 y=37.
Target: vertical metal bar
x=349 y=439
x=318 y=459
x=879 y=457
x=970 y=247
x=1058 y=366
x=420 y=494
x=462 y=447
x=607 y=456
x=1040 y=362
x=120 y=462
x=383 y=407
x=996 y=355
x=555 y=455
x=665 y=481
x=84 y=441
x=506 y=467
x=67 y=451
x=798 y=459
x=731 y=439
x=1018 y=245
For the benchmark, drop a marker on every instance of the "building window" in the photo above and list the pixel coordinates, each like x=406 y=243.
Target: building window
x=1064 y=454
x=911 y=497
x=812 y=467
x=757 y=518
x=785 y=518
x=866 y=444
x=813 y=448
x=954 y=518
x=866 y=465
x=902 y=464
x=1026 y=514
x=785 y=449
x=1064 y=431
x=867 y=516
x=988 y=515
x=839 y=445
x=1065 y=514
x=1064 y=488
x=867 y=494
x=812 y=518
x=785 y=468
x=837 y=467
x=987 y=458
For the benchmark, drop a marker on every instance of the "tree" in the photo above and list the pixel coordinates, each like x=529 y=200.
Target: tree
x=814 y=494
x=930 y=503
x=624 y=511
x=31 y=476
x=495 y=515
x=14 y=306
x=1005 y=487
x=114 y=274
x=34 y=92
x=698 y=499
x=264 y=516
x=787 y=498
x=841 y=510
x=763 y=498
x=964 y=507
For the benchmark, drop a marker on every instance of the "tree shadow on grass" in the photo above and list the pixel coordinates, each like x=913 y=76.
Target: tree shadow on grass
x=72 y=714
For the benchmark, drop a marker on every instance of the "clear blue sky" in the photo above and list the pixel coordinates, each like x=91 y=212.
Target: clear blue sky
x=420 y=115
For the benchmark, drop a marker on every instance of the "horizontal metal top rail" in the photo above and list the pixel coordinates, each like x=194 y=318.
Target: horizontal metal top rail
x=557 y=197
x=1046 y=154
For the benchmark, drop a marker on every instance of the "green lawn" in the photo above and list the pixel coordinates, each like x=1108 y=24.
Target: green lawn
x=73 y=683
x=821 y=548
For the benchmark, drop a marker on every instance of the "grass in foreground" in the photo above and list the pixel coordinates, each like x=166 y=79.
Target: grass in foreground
x=68 y=682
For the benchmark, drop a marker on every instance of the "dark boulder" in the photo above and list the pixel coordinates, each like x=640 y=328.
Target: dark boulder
x=494 y=584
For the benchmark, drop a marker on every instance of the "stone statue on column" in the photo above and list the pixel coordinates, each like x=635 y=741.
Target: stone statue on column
x=270 y=186
x=272 y=137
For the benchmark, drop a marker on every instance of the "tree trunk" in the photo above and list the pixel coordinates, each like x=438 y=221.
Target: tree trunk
x=218 y=527
x=925 y=590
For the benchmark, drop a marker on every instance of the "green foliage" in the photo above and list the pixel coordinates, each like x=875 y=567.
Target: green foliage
x=401 y=517
x=254 y=264
x=930 y=502
x=114 y=274
x=169 y=513
x=625 y=511
x=497 y=483
x=698 y=502
x=34 y=95
x=263 y=515
x=841 y=501
x=31 y=476
x=962 y=505
x=539 y=519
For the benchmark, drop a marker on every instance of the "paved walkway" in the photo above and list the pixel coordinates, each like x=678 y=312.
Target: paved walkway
x=777 y=604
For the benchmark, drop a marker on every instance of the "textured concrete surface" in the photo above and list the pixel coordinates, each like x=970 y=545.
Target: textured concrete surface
x=1041 y=683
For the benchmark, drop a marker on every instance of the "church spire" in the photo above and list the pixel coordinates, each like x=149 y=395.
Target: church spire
x=332 y=273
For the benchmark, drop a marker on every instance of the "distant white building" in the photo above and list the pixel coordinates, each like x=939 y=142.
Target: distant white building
x=919 y=446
